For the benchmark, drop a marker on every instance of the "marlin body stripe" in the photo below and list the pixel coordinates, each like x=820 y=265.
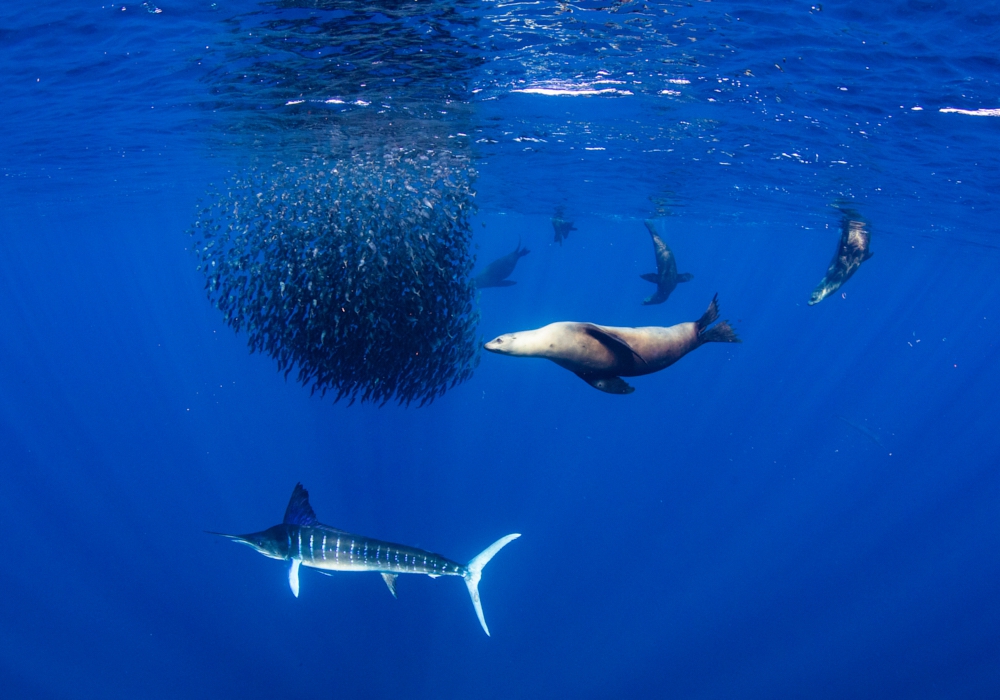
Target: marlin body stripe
x=323 y=547
x=304 y=541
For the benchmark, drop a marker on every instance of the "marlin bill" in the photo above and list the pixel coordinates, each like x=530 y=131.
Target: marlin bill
x=302 y=540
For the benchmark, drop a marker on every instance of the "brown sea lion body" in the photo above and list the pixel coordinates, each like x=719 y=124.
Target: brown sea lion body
x=561 y=228
x=853 y=249
x=496 y=273
x=602 y=355
x=666 y=277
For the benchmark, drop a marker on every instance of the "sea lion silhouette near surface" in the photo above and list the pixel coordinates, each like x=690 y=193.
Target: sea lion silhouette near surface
x=851 y=252
x=665 y=278
x=561 y=228
x=496 y=273
x=602 y=355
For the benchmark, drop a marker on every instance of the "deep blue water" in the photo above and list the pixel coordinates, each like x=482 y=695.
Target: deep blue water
x=812 y=513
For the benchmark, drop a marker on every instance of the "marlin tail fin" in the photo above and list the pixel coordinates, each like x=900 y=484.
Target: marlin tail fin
x=476 y=571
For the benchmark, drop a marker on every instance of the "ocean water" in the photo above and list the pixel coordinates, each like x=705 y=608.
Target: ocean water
x=812 y=513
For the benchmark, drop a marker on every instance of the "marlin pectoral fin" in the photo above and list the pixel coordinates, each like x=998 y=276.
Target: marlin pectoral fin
x=651 y=277
x=293 y=576
x=390 y=581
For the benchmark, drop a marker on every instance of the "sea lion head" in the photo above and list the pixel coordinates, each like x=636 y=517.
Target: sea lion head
x=536 y=343
x=506 y=344
x=822 y=291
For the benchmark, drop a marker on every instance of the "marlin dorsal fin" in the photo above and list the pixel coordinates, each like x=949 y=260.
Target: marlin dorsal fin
x=299 y=512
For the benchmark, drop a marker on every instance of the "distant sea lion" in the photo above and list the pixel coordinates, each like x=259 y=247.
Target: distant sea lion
x=602 y=355
x=864 y=430
x=561 y=228
x=665 y=278
x=496 y=273
x=851 y=252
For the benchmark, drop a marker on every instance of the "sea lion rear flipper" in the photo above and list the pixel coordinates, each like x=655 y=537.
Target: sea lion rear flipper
x=721 y=333
x=652 y=277
x=710 y=315
x=609 y=385
x=621 y=350
x=685 y=277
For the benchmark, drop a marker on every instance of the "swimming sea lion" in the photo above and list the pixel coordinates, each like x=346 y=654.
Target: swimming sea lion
x=602 y=355
x=496 y=273
x=561 y=228
x=851 y=252
x=665 y=278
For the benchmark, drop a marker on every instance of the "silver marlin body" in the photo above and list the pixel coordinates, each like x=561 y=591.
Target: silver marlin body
x=304 y=541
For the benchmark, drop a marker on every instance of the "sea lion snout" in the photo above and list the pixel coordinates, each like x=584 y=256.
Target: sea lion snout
x=819 y=294
x=500 y=343
x=520 y=344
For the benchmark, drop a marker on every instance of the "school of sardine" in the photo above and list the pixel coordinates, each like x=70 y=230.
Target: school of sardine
x=352 y=272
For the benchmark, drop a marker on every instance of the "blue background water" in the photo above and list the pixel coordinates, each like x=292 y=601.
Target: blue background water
x=728 y=530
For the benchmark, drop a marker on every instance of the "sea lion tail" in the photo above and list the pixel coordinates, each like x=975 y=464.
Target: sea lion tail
x=710 y=316
x=721 y=333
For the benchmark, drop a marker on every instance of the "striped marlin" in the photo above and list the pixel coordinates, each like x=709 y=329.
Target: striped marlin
x=302 y=540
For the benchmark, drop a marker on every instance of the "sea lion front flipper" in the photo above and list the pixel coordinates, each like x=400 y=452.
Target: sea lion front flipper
x=621 y=350
x=652 y=277
x=685 y=277
x=609 y=385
